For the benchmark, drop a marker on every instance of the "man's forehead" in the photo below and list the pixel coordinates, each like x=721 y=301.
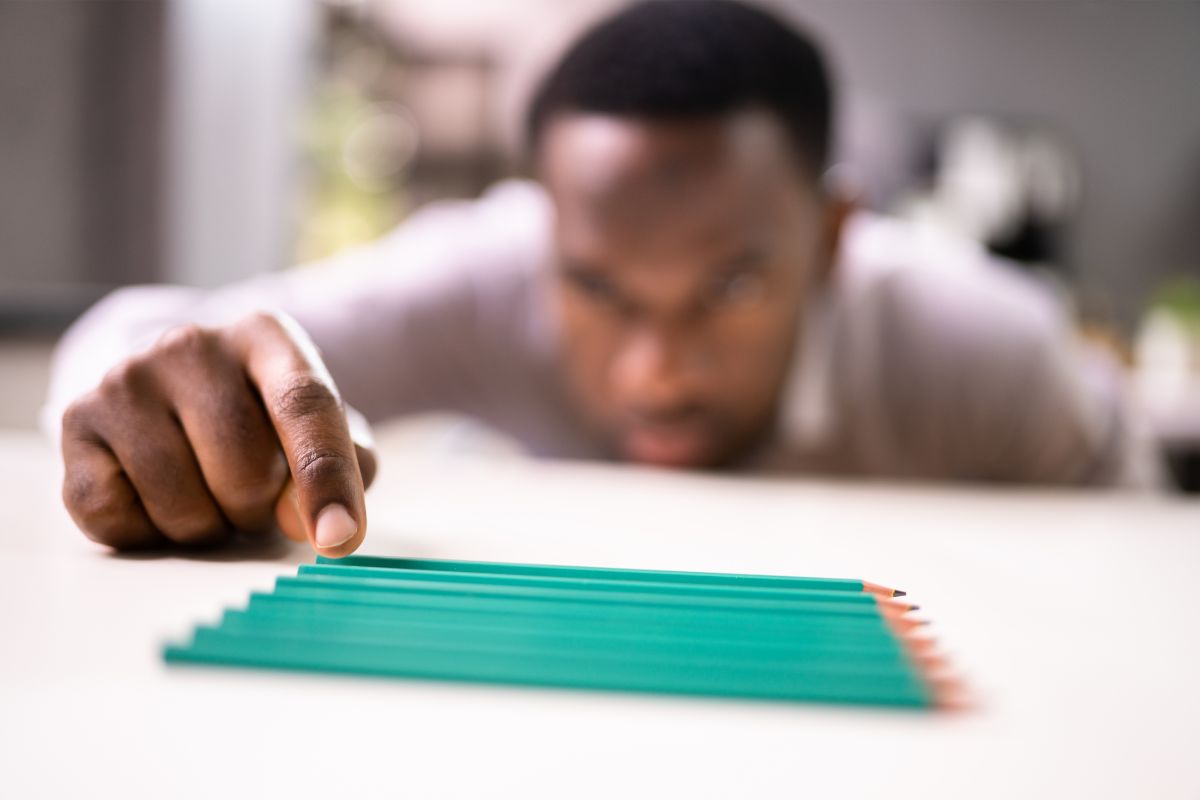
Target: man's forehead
x=652 y=180
x=598 y=155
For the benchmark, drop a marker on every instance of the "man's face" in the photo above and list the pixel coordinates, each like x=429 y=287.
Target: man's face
x=686 y=251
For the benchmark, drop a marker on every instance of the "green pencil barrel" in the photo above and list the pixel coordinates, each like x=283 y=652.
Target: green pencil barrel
x=844 y=650
x=553 y=669
x=682 y=615
x=752 y=636
x=858 y=636
x=600 y=621
x=808 y=603
x=548 y=570
x=730 y=660
x=677 y=588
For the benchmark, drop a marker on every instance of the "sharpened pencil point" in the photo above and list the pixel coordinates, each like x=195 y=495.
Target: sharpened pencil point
x=898 y=593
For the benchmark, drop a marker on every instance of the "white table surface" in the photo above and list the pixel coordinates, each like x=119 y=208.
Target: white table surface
x=1072 y=617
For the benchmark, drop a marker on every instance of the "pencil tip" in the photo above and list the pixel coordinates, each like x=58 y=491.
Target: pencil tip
x=898 y=593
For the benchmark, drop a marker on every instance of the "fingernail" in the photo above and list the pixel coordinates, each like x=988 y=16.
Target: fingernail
x=335 y=526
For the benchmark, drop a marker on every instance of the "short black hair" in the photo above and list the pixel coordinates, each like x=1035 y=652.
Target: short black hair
x=691 y=59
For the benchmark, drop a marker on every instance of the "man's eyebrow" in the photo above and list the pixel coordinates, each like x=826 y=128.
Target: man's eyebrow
x=749 y=257
x=571 y=264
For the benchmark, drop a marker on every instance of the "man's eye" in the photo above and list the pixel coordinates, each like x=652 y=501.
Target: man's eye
x=594 y=286
x=739 y=288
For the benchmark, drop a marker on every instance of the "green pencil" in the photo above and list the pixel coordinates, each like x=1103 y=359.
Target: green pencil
x=752 y=636
x=598 y=618
x=663 y=576
x=877 y=649
x=804 y=602
x=732 y=661
x=302 y=609
x=902 y=688
x=775 y=618
x=678 y=588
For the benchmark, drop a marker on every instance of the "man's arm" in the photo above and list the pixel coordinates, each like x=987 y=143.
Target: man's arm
x=397 y=321
x=401 y=325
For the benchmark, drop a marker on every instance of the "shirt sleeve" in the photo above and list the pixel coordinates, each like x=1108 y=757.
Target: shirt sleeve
x=403 y=323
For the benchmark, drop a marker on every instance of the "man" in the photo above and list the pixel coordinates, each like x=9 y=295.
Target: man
x=682 y=289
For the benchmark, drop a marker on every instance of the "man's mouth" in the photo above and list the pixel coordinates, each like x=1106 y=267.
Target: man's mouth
x=666 y=445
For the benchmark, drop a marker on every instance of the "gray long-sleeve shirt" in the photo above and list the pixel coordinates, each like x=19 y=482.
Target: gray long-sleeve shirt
x=922 y=357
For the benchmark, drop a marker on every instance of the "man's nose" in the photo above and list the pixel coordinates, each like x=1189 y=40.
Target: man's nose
x=655 y=368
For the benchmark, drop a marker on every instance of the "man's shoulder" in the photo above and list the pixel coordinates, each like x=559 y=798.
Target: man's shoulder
x=934 y=339
x=475 y=261
x=492 y=285
x=947 y=362
x=926 y=295
x=508 y=226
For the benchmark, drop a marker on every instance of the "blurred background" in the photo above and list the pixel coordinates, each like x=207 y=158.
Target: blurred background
x=201 y=141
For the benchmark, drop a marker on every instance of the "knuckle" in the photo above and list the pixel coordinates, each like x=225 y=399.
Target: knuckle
x=250 y=499
x=302 y=395
x=184 y=516
x=321 y=466
x=77 y=417
x=186 y=342
x=80 y=495
x=124 y=382
x=259 y=321
x=196 y=530
x=245 y=451
x=102 y=514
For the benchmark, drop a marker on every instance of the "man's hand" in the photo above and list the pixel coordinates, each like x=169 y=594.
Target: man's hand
x=215 y=430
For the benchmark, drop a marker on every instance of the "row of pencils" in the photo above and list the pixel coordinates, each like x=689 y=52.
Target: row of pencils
x=715 y=634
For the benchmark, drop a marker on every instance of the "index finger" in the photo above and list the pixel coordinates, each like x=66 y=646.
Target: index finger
x=306 y=411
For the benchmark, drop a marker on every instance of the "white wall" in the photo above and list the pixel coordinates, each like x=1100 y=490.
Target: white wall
x=41 y=230
x=235 y=87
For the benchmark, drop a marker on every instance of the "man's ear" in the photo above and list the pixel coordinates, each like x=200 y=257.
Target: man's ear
x=839 y=203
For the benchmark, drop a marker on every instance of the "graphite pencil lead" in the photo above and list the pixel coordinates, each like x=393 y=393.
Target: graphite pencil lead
x=882 y=591
x=892 y=607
